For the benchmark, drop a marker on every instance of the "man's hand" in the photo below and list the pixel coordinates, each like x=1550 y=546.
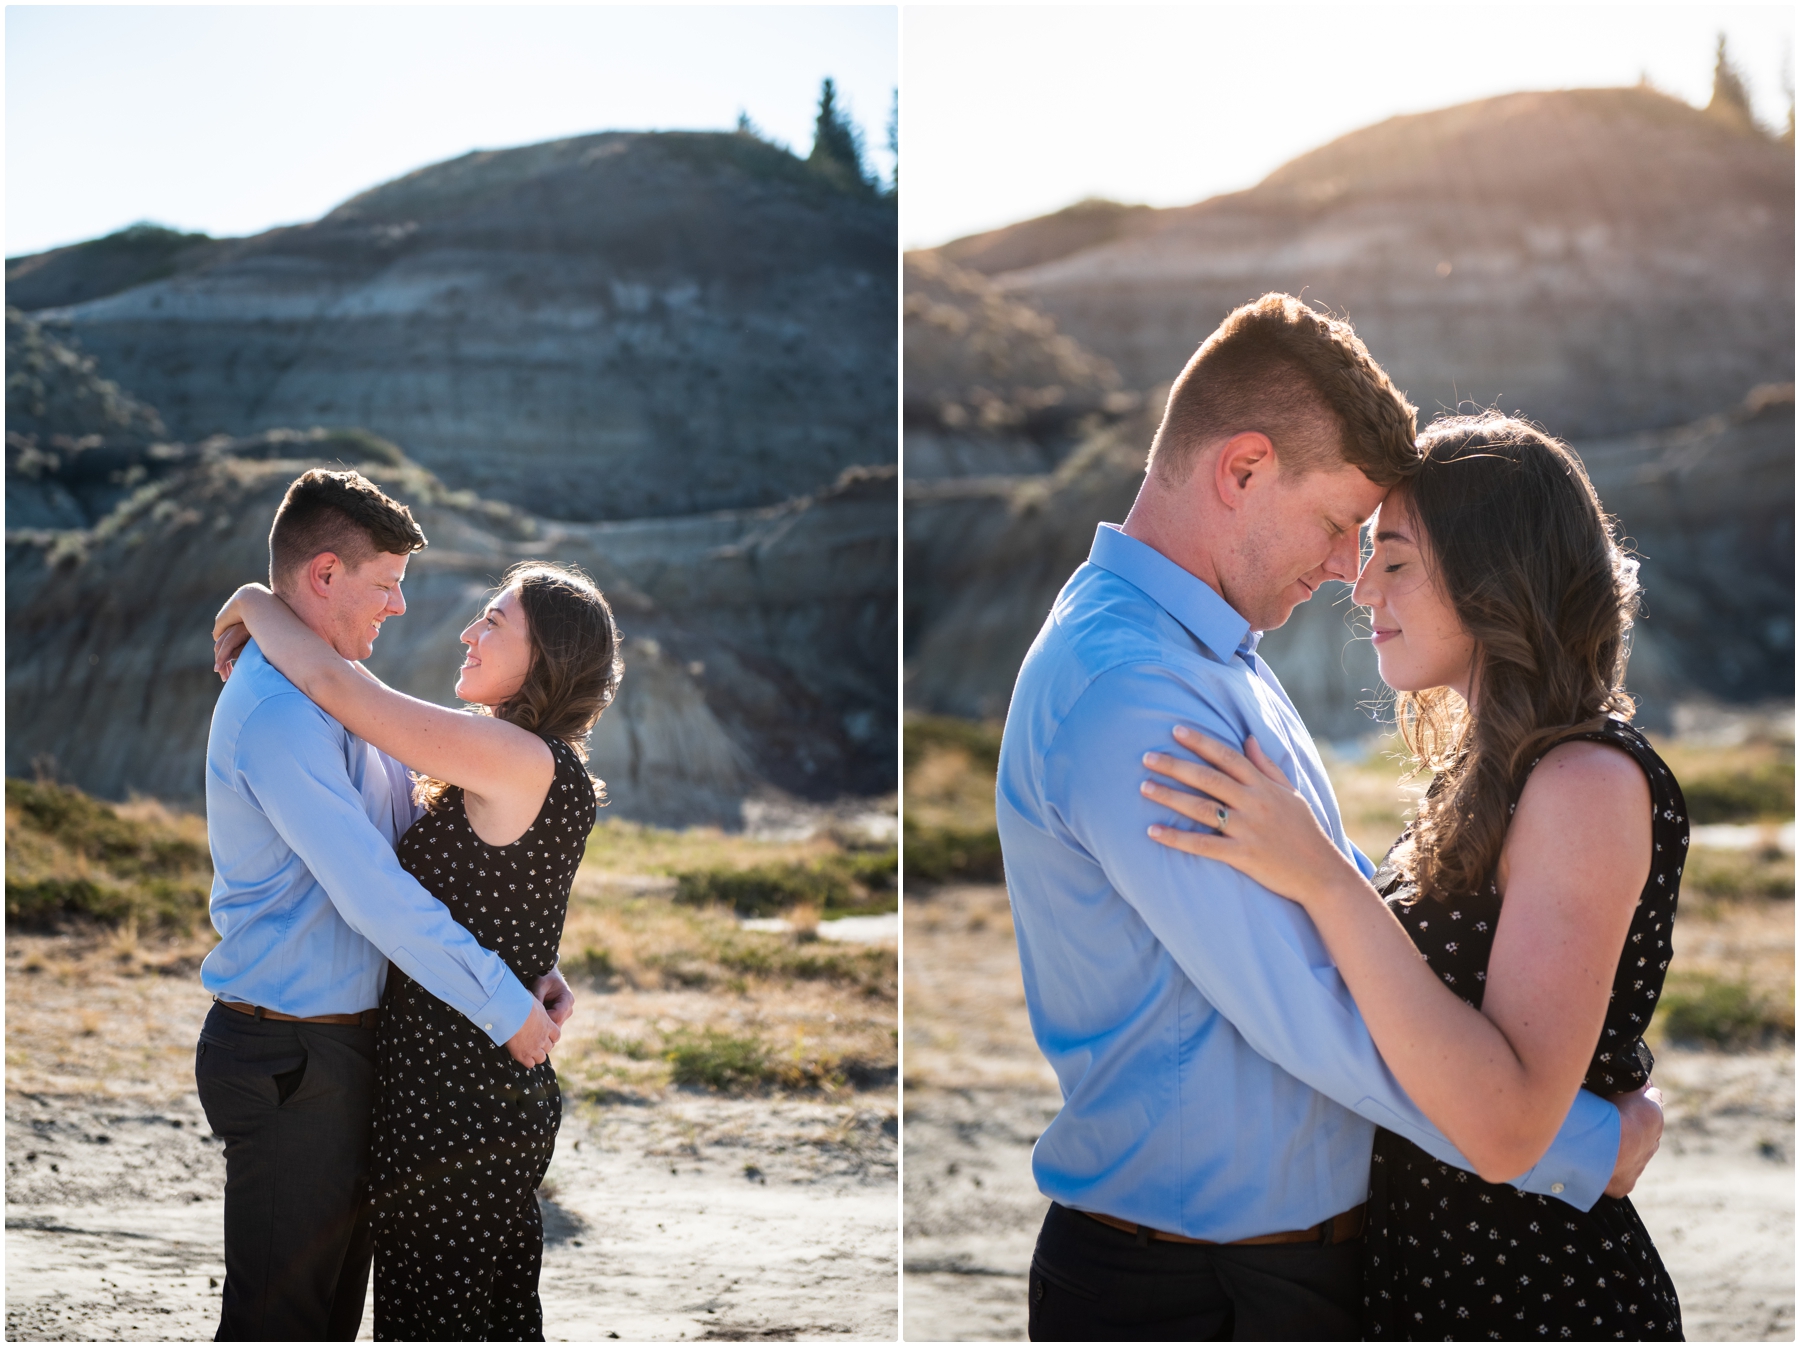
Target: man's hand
x=558 y=999
x=1640 y=1133
x=531 y=1045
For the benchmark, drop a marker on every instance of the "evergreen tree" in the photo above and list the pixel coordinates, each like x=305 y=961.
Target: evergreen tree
x=893 y=139
x=837 y=149
x=1730 y=95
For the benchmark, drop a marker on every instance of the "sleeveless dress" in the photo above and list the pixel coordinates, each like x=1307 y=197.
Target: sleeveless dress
x=1447 y=1256
x=463 y=1133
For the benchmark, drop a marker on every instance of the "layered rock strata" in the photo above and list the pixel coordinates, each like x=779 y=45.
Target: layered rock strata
x=1708 y=508
x=991 y=385
x=755 y=641
x=606 y=327
x=1604 y=260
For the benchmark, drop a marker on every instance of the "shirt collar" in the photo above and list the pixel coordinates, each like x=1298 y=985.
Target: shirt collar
x=1183 y=595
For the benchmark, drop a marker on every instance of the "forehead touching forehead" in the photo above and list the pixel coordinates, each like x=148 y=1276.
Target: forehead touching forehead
x=1395 y=521
x=1342 y=493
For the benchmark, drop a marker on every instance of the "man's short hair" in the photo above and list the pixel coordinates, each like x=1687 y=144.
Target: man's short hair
x=341 y=512
x=1278 y=367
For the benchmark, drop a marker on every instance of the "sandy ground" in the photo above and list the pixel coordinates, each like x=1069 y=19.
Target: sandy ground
x=673 y=1214
x=1718 y=1197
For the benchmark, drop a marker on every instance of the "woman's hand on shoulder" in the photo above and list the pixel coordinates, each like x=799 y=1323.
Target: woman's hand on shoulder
x=1259 y=824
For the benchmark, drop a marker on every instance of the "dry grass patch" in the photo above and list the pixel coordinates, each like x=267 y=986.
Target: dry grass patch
x=620 y=850
x=950 y=833
x=113 y=1014
x=1739 y=783
x=678 y=994
x=1731 y=982
x=75 y=860
x=106 y=999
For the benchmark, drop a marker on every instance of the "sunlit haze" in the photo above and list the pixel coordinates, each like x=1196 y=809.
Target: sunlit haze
x=235 y=119
x=1011 y=112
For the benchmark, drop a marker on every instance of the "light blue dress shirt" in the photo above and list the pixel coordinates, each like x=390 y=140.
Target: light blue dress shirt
x=1217 y=1079
x=308 y=897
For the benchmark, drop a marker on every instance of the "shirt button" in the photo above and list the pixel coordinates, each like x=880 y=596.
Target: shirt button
x=1556 y=1187
x=490 y=1029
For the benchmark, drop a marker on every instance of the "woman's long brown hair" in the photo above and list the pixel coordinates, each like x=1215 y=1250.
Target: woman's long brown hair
x=575 y=665
x=1516 y=538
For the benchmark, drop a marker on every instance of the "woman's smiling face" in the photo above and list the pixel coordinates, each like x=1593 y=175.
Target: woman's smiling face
x=1419 y=641
x=499 y=655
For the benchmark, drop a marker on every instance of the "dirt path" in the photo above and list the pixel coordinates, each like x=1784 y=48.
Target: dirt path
x=694 y=1218
x=671 y=1213
x=1718 y=1197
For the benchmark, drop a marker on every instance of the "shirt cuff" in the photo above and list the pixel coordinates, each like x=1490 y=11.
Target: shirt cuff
x=506 y=1012
x=1580 y=1162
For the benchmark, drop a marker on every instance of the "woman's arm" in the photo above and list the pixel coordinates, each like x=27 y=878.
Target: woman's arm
x=490 y=759
x=1498 y=1081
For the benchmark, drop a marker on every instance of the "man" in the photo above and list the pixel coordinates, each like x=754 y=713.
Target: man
x=1210 y=1162
x=311 y=903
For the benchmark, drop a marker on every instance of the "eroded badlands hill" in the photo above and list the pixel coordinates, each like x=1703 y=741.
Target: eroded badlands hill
x=605 y=327
x=1606 y=260
x=759 y=642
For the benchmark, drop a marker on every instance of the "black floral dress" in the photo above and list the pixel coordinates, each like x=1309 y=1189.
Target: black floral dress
x=463 y=1133
x=1447 y=1256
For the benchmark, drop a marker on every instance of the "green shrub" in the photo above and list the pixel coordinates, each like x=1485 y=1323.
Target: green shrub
x=1765 y=791
x=1723 y=1013
x=756 y=954
x=720 y=1061
x=841 y=884
x=40 y=904
x=632 y=1048
x=717 y=1061
x=939 y=855
x=72 y=857
x=93 y=829
x=596 y=964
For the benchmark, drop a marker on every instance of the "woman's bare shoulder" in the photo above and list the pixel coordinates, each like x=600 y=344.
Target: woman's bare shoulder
x=1589 y=770
x=1585 y=811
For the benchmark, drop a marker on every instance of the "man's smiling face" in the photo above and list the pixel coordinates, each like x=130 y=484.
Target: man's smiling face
x=1303 y=533
x=361 y=599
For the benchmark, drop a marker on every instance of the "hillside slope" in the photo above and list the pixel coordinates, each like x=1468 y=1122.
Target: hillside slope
x=1709 y=508
x=604 y=327
x=1606 y=260
x=759 y=642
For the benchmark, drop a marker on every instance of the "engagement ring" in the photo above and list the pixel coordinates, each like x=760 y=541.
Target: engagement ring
x=1224 y=814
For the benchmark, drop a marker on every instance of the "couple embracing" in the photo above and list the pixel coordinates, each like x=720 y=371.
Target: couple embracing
x=1306 y=1097
x=385 y=987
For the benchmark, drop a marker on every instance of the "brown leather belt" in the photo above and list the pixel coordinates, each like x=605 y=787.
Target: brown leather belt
x=1345 y=1225
x=366 y=1019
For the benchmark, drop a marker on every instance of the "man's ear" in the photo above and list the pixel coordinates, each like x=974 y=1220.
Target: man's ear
x=321 y=571
x=1243 y=462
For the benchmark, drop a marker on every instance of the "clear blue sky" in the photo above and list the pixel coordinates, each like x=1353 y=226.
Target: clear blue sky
x=1013 y=111
x=232 y=119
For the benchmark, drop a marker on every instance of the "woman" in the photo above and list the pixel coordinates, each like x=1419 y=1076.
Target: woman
x=463 y=1133
x=1538 y=883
